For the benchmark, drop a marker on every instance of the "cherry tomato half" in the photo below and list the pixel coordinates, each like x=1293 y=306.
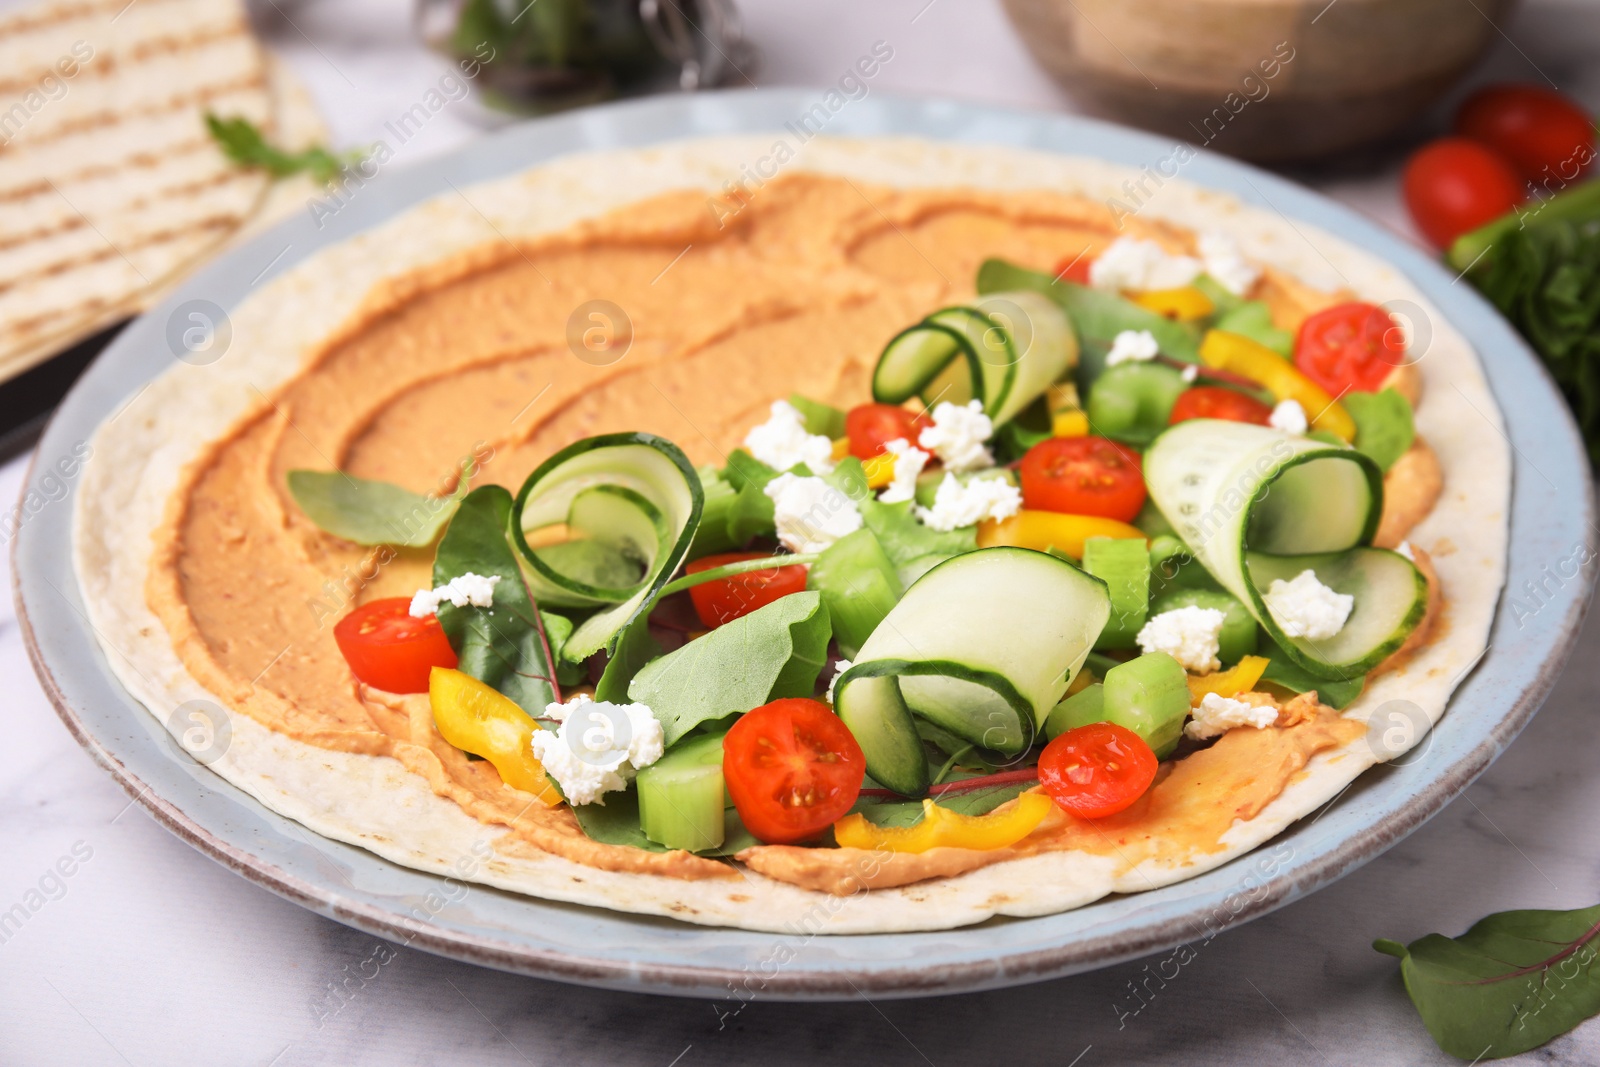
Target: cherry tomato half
x=1454 y=185
x=1097 y=770
x=727 y=599
x=1544 y=134
x=793 y=769
x=1074 y=268
x=1350 y=346
x=388 y=649
x=1217 y=402
x=871 y=426
x=1083 y=476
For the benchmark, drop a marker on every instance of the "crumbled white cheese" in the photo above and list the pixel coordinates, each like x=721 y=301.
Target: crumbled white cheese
x=957 y=436
x=1140 y=266
x=1289 y=417
x=1191 y=372
x=1189 y=635
x=842 y=666
x=464 y=589
x=956 y=505
x=598 y=747
x=1132 y=346
x=809 y=513
x=782 y=441
x=1306 y=608
x=1226 y=263
x=908 y=463
x=1216 y=715
x=1404 y=548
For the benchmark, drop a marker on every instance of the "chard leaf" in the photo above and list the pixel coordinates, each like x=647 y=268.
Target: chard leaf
x=370 y=512
x=1514 y=981
x=504 y=645
x=775 y=651
x=1384 y=429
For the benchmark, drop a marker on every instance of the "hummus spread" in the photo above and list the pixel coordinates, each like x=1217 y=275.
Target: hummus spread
x=674 y=316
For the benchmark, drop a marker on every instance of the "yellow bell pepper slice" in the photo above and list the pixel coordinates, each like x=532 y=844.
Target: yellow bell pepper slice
x=1070 y=424
x=1231 y=352
x=1185 y=304
x=476 y=718
x=1044 y=530
x=880 y=470
x=841 y=448
x=943 y=828
x=1240 y=678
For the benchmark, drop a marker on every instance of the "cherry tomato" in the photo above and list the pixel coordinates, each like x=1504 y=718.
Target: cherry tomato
x=1350 y=346
x=1545 y=135
x=1074 y=268
x=1097 y=770
x=871 y=426
x=1216 y=402
x=1083 y=476
x=1454 y=185
x=793 y=769
x=727 y=599
x=388 y=649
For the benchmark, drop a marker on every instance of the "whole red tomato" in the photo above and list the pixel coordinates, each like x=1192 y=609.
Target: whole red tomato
x=1455 y=185
x=1546 y=136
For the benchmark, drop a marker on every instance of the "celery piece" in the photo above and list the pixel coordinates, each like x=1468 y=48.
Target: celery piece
x=1150 y=696
x=1131 y=402
x=1085 y=706
x=859 y=585
x=1124 y=565
x=681 y=796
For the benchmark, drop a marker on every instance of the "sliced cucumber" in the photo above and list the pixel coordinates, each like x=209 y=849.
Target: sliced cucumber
x=1254 y=504
x=682 y=796
x=648 y=510
x=983 y=645
x=1004 y=349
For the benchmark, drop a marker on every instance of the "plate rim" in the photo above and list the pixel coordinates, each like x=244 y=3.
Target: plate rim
x=1128 y=940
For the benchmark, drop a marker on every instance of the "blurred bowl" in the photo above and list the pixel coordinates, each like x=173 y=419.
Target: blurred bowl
x=1266 y=80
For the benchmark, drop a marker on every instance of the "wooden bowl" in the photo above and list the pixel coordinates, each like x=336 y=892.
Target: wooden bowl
x=1267 y=80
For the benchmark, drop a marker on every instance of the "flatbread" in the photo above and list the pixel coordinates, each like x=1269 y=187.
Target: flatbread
x=372 y=802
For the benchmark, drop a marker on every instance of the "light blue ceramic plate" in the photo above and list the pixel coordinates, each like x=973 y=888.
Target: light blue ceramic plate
x=1552 y=511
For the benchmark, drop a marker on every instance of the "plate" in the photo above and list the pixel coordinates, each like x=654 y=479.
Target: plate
x=1552 y=514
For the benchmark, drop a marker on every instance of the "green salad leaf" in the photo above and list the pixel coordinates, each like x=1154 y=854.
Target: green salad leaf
x=714 y=533
x=504 y=645
x=906 y=540
x=775 y=651
x=371 y=512
x=1253 y=319
x=616 y=822
x=635 y=648
x=882 y=811
x=1384 y=429
x=751 y=514
x=819 y=418
x=1512 y=982
x=1282 y=671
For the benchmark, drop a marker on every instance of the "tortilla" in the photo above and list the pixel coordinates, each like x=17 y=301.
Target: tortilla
x=376 y=803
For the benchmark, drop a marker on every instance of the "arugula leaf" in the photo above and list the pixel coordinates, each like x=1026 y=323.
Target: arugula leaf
x=504 y=645
x=882 y=811
x=1514 y=981
x=775 y=651
x=1384 y=429
x=1337 y=693
x=243 y=143
x=905 y=539
x=751 y=514
x=713 y=533
x=371 y=512
x=635 y=648
x=557 y=628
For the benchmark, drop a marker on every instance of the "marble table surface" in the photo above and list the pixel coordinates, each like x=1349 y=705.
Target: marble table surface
x=149 y=953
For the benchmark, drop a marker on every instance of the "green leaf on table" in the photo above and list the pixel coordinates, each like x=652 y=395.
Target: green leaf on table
x=775 y=651
x=1384 y=429
x=1514 y=981
x=247 y=146
x=370 y=512
x=504 y=645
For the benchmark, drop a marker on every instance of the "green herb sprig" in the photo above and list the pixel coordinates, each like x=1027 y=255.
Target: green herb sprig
x=243 y=143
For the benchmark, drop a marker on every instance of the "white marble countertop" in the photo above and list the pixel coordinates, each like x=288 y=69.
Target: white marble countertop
x=149 y=953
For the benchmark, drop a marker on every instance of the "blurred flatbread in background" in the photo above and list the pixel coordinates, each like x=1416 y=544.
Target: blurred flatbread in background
x=111 y=189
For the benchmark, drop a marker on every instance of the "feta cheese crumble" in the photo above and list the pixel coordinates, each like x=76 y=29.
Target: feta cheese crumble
x=842 y=666
x=1216 y=715
x=1304 y=607
x=598 y=747
x=1189 y=635
x=956 y=505
x=1289 y=417
x=908 y=463
x=782 y=441
x=1191 y=372
x=957 y=436
x=1132 y=346
x=1226 y=263
x=1141 y=266
x=464 y=589
x=809 y=513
